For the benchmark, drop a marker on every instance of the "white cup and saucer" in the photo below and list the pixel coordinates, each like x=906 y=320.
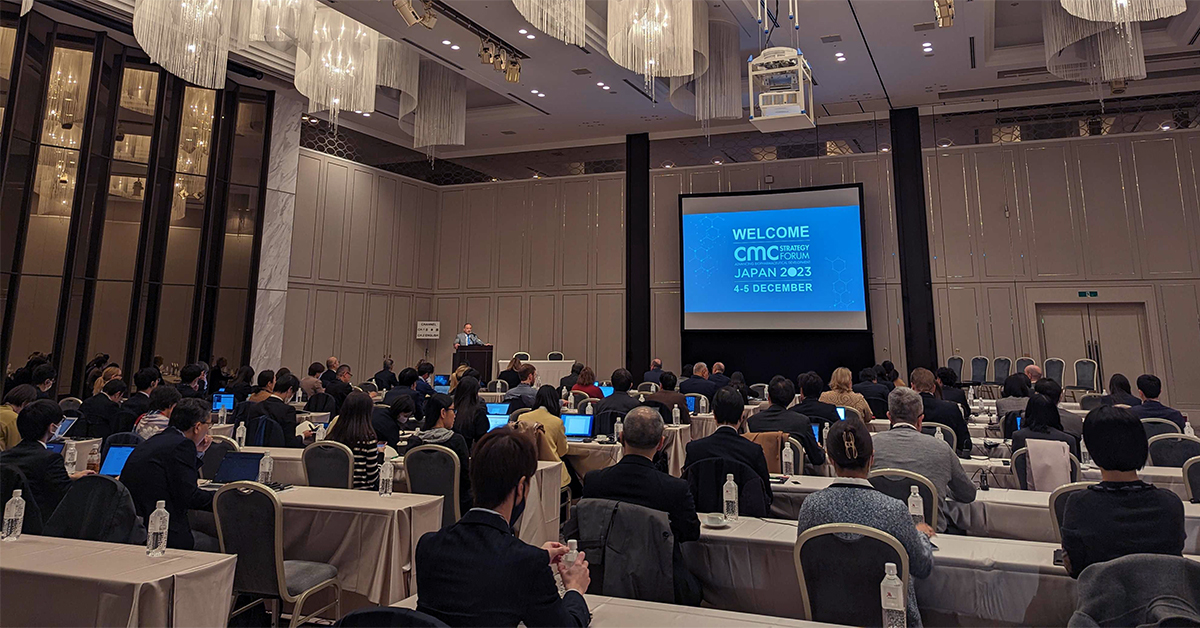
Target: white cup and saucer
x=714 y=520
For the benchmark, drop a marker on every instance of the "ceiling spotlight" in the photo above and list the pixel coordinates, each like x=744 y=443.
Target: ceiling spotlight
x=429 y=19
x=487 y=52
x=885 y=148
x=717 y=161
x=529 y=36
x=445 y=42
x=455 y=47
x=945 y=142
x=523 y=31
x=500 y=61
x=1165 y=126
x=366 y=114
x=533 y=91
x=410 y=16
x=304 y=117
x=512 y=73
x=668 y=164
x=541 y=95
x=839 y=54
x=605 y=88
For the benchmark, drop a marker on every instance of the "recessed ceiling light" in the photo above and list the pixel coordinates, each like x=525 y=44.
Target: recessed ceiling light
x=445 y=42
x=357 y=111
x=1165 y=126
x=523 y=31
x=533 y=91
x=606 y=87
x=600 y=84
x=841 y=58
x=541 y=95
x=927 y=44
x=455 y=47
x=529 y=36
x=366 y=114
x=884 y=148
x=928 y=49
x=716 y=161
x=668 y=164
x=839 y=54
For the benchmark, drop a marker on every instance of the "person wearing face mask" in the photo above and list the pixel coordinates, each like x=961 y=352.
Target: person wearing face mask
x=439 y=430
x=478 y=573
x=44 y=470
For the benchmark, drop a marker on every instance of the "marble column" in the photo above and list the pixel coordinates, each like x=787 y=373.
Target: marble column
x=267 y=348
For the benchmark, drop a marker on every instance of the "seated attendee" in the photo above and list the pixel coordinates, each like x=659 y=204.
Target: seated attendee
x=655 y=371
x=266 y=383
x=547 y=412
x=340 y=387
x=277 y=406
x=385 y=379
x=389 y=421
x=1150 y=387
x=523 y=392
x=1041 y=422
x=424 y=384
x=45 y=471
x=165 y=468
x=905 y=447
x=14 y=401
x=107 y=375
x=24 y=375
x=811 y=386
x=509 y=375
x=353 y=429
x=699 y=383
x=738 y=382
x=470 y=415
x=513 y=586
x=438 y=429
x=881 y=376
x=1121 y=515
x=145 y=380
x=938 y=411
x=635 y=480
x=406 y=386
x=851 y=499
x=330 y=372
x=1033 y=373
x=892 y=375
x=587 y=383
x=458 y=374
x=1014 y=395
x=158 y=412
x=568 y=380
x=189 y=381
x=726 y=442
x=670 y=397
x=947 y=385
x=1071 y=423
x=283 y=371
x=718 y=376
x=685 y=372
x=778 y=418
x=217 y=379
x=312 y=383
x=43 y=379
x=100 y=410
x=242 y=384
x=202 y=385
x=868 y=385
x=1120 y=393
x=841 y=393
x=620 y=401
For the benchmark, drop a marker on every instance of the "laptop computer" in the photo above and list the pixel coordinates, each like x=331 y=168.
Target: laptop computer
x=578 y=426
x=441 y=384
x=63 y=426
x=691 y=401
x=55 y=447
x=816 y=432
x=496 y=421
x=497 y=408
x=114 y=461
x=222 y=400
x=841 y=413
x=607 y=390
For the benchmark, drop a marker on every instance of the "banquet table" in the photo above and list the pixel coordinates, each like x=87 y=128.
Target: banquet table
x=222 y=429
x=549 y=372
x=491 y=397
x=588 y=457
x=48 y=581
x=287 y=467
x=749 y=568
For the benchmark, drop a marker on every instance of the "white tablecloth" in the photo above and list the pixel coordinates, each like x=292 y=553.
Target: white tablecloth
x=588 y=457
x=548 y=371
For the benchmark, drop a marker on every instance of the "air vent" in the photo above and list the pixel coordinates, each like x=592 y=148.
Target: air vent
x=581 y=71
x=924 y=26
x=831 y=39
x=508 y=133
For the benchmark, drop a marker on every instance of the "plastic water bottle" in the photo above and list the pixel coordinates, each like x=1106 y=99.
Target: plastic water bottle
x=565 y=393
x=93 y=461
x=588 y=410
x=893 y=597
x=14 y=517
x=222 y=414
x=825 y=435
x=386 y=472
x=1087 y=458
x=789 y=462
x=572 y=553
x=1187 y=429
x=731 y=499
x=642 y=398
x=264 y=468
x=940 y=434
x=240 y=434
x=916 y=505
x=321 y=432
x=156 y=530
x=570 y=402
x=70 y=456
x=618 y=428
x=675 y=415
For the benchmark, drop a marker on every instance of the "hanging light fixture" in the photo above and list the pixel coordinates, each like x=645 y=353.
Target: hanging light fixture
x=651 y=37
x=276 y=22
x=564 y=20
x=1091 y=52
x=26 y=7
x=1123 y=11
x=398 y=69
x=336 y=62
x=192 y=38
x=681 y=87
x=441 y=118
x=716 y=93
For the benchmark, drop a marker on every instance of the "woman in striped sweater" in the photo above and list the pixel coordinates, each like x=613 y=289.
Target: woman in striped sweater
x=353 y=429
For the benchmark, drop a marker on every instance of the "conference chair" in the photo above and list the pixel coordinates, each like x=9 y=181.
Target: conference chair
x=706 y=479
x=839 y=567
x=215 y=453
x=249 y=521
x=522 y=356
x=648 y=387
x=629 y=549
x=70 y=404
x=12 y=479
x=955 y=363
x=759 y=391
x=948 y=435
x=898 y=483
x=1091 y=401
x=1154 y=427
x=1008 y=423
x=512 y=416
x=554 y=355
x=368 y=387
x=1023 y=362
x=851 y=413
x=772 y=444
x=497 y=386
x=1085 y=374
x=1058 y=505
x=1053 y=368
x=606 y=421
x=263 y=431
x=798 y=459
x=329 y=464
x=1173 y=450
x=979 y=369
x=1138 y=590
x=389 y=616
x=701 y=402
x=580 y=399
x=1191 y=478
x=120 y=438
x=321 y=402
x=125 y=421
x=1020 y=467
x=433 y=470
x=878 y=407
x=1001 y=369
x=96 y=508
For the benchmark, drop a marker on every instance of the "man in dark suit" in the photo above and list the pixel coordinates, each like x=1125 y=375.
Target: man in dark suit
x=778 y=418
x=568 y=381
x=726 y=443
x=44 y=470
x=165 y=467
x=424 y=375
x=670 y=397
x=43 y=379
x=406 y=385
x=385 y=379
x=277 y=407
x=654 y=373
x=1150 y=387
x=869 y=386
x=948 y=382
x=330 y=374
x=189 y=381
x=620 y=401
x=146 y=380
x=718 y=375
x=514 y=585
x=340 y=387
x=699 y=382
x=635 y=480
x=811 y=386
x=938 y=411
x=100 y=410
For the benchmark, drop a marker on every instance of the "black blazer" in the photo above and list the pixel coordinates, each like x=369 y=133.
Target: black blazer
x=720 y=379
x=871 y=389
x=817 y=411
x=187 y=392
x=339 y=390
x=327 y=377
x=568 y=381
x=166 y=467
x=385 y=379
x=1121 y=397
x=653 y=375
x=137 y=404
x=946 y=413
x=727 y=443
x=516 y=585
x=45 y=471
x=635 y=480
x=282 y=413
x=418 y=400
x=386 y=428
x=100 y=414
x=956 y=395
x=780 y=419
x=510 y=377
x=698 y=385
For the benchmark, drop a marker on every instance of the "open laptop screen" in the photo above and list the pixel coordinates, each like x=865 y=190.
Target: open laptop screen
x=238 y=466
x=578 y=425
x=114 y=461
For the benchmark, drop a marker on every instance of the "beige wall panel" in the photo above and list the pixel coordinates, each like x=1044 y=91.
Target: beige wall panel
x=543 y=315
x=1181 y=339
x=480 y=239
x=384 y=230
x=479 y=315
x=828 y=171
x=1107 y=222
x=1002 y=329
x=451 y=221
x=376 y=337
x=297 y=334
x=665 y=336
x=999 y=220
x=1053 y=239
x=332 y=219
x=427 y=230
x=577 y=231
x=609 y=340
x=702 y=181
x=510 y=321
x=407 y=240
x=610 y=231
x=324 y=329
x=879 y=226
x=665 y=189
x=743 y=178
x=786 y=174
x=423 y=311
x=304 y=226
x=545 y=226
x=877 y=296
x=511 y=216
x=183 y=250
x=950 y=228
x=401 y=332
x=1165 y=222
x=962 y=321
x=448 y=314
x=896 y=334
x=358 y=246
x=352 y=327
x=576 y=330
x=117 y=253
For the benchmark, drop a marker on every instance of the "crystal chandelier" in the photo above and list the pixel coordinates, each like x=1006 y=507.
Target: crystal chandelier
x=651 y=37
x=442 y=110
x=336 y=62
x=1123 y=11
x=191 y=38
x=715 y=92
x=1091 y=52
x=564 y=20
x=399 y=69
x=275 y=21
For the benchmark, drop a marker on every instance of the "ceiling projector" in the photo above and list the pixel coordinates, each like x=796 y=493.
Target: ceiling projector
x=780 y=91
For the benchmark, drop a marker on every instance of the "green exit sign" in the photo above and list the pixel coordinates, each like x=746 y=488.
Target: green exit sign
x=1083 y=294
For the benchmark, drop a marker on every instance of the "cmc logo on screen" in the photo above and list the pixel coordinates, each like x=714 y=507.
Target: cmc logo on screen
x=756 y=253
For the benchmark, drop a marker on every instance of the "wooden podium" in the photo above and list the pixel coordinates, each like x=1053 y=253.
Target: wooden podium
x=480 y=359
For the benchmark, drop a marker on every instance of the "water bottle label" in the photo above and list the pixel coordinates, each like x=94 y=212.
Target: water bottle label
x=915 y=507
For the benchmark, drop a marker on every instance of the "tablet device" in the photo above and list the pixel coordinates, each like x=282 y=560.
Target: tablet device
x=841 y=413
x=114 y=461
x=691 y=401
x=63 y=426
x=606 y=390
x=441 y=380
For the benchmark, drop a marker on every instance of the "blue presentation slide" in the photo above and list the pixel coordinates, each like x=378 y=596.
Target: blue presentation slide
x=778 y=260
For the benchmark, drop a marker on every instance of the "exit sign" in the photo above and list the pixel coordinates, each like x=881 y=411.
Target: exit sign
x=1083 y=294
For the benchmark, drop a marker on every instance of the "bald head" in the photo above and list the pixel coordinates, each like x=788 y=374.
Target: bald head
x=1033 y=372
x=643 y=431
x=332 y=363
x=718 y=367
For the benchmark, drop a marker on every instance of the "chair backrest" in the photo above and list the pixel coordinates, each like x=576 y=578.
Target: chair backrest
x=11 y=479
x=1023 y=362
x=215 y=454
x=605 y=422
x=389 y=616
x=369 y=386
x=851 y=412
x=95 y=508
x=119 y=438
x=1154 y=427
x=701 y=402
x=648 y=387
x=948 y=435
x=70 y=404
x=1008 y=423
x=433 y=470
x=249 y=521
x=1191 y=478
x=521 y=355
x=759 y=390
x=1085 y=374
x=1020 y=467
x=1058 y=505
x=321 y=402
x=839 y=567
x=628 y=549
x=955 y=363
x=878 y=407
x=329 y=464
x=898 y=483
x=1138 y=590
x=706 y=478
x=1173 y=450
x=772 y=445
x=512 y=416
x=797 y=455
x=580 y=398
x=497 y=386
x=1091 y=401
x=979 y=368
x=1001 y=369
x=1053 y=369
x=554 y=355
x=263 y=431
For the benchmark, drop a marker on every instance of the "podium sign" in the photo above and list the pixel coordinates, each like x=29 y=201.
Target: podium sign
x=429 y=330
